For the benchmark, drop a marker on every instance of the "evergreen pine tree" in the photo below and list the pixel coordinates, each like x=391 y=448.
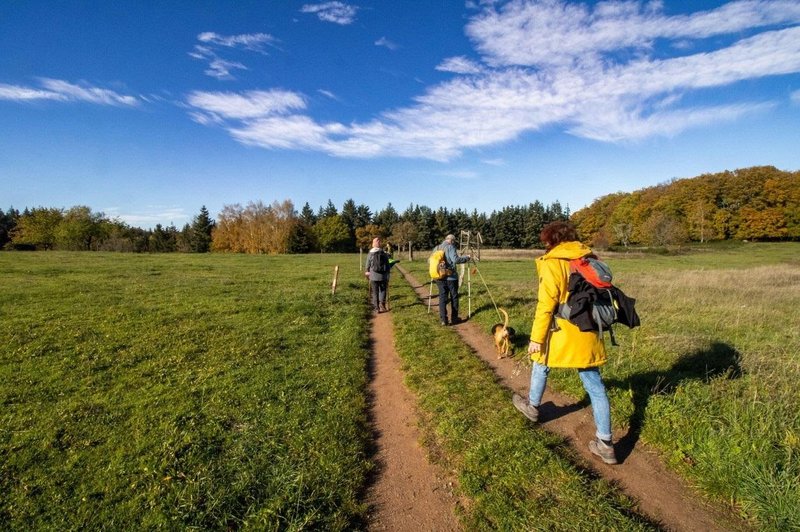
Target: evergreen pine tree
x=200 y=233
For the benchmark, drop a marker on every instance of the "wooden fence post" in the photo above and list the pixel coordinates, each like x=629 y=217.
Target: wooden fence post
x=335 y=279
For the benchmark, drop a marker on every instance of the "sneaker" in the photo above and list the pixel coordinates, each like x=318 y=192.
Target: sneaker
x=527 y=409
x=383 y=308
x=443 y=323
x=603 y=450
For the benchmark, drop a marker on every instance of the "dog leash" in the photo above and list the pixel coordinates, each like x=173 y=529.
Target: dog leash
x=487 y=288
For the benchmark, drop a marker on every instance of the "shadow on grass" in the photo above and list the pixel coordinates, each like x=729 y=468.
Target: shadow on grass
x=718 y=360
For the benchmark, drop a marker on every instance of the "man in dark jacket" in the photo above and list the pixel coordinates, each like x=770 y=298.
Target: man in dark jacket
x=448 y=287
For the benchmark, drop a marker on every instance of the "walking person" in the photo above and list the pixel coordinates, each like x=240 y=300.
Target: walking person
x=448 y=286
x=377 y=271
x=557 y=343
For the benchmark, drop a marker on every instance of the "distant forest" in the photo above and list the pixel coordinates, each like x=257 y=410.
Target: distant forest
x=759 y=203
x=275 y=228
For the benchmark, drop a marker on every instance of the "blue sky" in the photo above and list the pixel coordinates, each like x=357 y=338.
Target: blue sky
x=148 y=110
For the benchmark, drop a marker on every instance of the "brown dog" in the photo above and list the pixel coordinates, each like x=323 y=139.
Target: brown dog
x=502 y=336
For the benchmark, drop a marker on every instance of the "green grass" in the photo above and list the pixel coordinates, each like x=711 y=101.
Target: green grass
x=175 y=391
x=224 y=391
x=515 y=475
x=710 y=378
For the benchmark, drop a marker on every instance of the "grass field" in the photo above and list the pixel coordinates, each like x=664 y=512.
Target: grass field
x=174 y=391
x=223 y=391
x=710 y=378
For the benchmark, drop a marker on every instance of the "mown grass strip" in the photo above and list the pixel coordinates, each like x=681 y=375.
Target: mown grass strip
x=710 y=378
x=181 y=391
x=514 y=475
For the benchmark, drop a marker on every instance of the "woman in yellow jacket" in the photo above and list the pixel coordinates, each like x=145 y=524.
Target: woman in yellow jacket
x=557 y=343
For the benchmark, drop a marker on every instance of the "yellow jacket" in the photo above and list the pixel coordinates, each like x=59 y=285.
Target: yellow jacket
x=567 y=346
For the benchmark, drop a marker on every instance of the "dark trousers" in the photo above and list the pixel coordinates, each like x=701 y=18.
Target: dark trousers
x=378 y=293
x=448 y=291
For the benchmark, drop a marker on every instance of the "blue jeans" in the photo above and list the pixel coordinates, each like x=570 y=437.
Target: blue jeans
x=592 y=383
x=448 y=291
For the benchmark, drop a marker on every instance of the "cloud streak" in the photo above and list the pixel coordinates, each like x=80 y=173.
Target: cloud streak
x=336 y=12
x=592 y=71
x=64 y=91
x=212 y=43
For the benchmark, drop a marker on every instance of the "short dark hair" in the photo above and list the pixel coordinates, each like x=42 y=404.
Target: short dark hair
x=555 y=233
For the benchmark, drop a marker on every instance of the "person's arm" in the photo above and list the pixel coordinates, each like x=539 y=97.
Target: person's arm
x=452 y=256
x=548 y=297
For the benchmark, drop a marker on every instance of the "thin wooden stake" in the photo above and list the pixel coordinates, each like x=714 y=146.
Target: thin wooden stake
x=335 y=279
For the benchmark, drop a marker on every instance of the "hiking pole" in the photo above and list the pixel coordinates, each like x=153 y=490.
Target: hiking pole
x=469 y=292
x=388 y=276
x=430 y=296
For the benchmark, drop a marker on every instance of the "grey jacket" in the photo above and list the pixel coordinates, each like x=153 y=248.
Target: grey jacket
x=373 y=261
x=452 y=258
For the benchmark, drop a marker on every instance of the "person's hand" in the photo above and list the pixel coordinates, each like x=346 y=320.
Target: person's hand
x=366 y=274
x=534 y=347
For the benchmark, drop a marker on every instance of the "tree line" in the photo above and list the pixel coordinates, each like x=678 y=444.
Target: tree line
x=80 y=229
x=757 y=203
x=277 y=228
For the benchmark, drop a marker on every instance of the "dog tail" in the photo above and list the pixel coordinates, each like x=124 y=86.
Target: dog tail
x=505 y=317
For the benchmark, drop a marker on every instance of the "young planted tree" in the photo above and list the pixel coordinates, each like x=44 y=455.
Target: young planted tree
x=404 y=234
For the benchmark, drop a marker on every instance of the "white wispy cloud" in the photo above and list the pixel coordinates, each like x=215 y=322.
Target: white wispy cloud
x=328 y=94
x=18 y=93
x=460 y=65
x=221 y=68
x=590 y=71
x=245 y=106
x=59 y=90
x=336 y=12
x=383 y=41
x=536 y=33
x=255 y=42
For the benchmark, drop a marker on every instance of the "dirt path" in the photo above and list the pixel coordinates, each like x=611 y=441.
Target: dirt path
x=660 y=493
x=408 y=492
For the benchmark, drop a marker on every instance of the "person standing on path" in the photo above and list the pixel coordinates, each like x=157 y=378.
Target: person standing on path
x=448 y=286
x=377 y=271
x=557 y=343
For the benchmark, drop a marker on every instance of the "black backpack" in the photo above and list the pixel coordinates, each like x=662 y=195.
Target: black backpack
x=379 y=262
x=594 y=303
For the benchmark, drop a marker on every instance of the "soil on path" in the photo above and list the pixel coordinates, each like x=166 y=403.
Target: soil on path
x=661 y=494
x=408 y=492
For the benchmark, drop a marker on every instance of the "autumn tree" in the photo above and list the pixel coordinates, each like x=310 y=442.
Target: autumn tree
x=257 y=228
x=662 y=230
x=365 y=235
